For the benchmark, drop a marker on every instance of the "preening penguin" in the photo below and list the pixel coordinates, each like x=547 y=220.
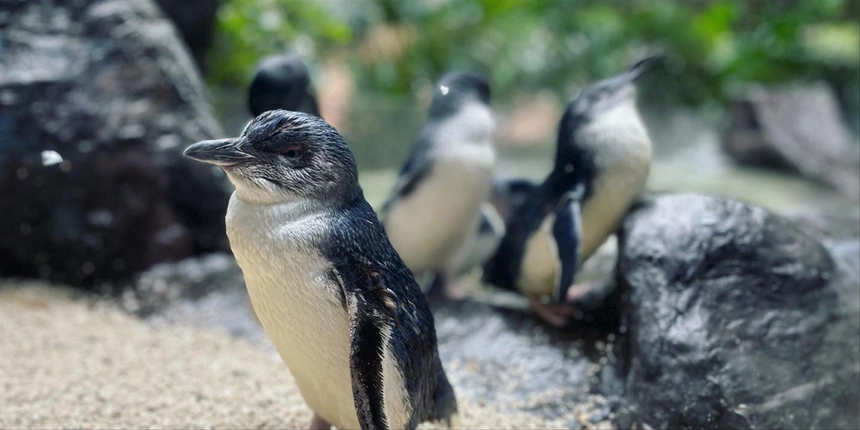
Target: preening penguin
x=602 y=160
x=436 y=202
x=340 y=306
x=282 y=82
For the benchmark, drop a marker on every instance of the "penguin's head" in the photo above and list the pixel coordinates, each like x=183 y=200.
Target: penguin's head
x=282 y=82
x=602 y=116
x=283 y=157
x=457 y=90
x=605 y=95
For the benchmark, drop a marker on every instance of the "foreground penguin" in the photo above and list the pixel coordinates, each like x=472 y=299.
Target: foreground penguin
x=282 y=82
x=436 y=202
x=603 y=156
x=339 y=305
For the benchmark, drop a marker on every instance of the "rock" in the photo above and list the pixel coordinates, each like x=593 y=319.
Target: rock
x=195 y=20
x=843 y=224
x=735 y=318
x=107 y=85
x=191 y=279
x=797 y=129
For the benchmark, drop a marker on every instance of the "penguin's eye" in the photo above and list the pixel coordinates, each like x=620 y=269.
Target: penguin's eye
x=292 y=152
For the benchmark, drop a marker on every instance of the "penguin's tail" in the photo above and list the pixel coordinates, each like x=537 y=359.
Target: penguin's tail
x=446 y=404
x=453 y=421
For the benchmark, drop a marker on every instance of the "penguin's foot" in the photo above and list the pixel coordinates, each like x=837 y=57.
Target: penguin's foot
x=557 y=315
x=442 y=287
x=319 y=423
x=562 y=315
x=451 y=290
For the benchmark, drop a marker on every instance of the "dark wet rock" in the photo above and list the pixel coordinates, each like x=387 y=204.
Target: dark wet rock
x=195 y=20
x=735 y=318
x=507 y=355
x=107 y=85
x=797 y=129
x=191 y=279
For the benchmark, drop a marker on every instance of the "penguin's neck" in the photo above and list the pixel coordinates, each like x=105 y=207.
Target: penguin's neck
x=469 y=130
x=574 y=165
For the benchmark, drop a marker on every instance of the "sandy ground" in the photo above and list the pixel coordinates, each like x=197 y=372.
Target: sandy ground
x=74 y=363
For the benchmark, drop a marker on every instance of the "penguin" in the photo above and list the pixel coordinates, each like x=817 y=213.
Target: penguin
x=341 y=308
x=602 y=161
x=482 y=243
x=506 y=194
x=282 y=82
x=436 y=202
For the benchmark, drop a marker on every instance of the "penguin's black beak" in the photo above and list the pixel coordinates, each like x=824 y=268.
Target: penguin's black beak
x=619 y=83
x=642 y=66
x=221 y=152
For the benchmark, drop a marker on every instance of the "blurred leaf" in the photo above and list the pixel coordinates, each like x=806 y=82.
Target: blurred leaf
x=526 y=45
x=833 y=43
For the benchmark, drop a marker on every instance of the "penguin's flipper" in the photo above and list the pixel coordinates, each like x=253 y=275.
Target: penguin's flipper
x=368 y=327
x=567 y=231
x=408 y=181
x=413 y=172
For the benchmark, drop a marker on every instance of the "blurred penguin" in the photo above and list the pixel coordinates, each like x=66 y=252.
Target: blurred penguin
x=436 y=202
x=282 y=82
x=507 y=194
x=602 y=161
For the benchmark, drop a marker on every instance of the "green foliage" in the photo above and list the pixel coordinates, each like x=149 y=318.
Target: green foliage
x=524 y=45
x=248 y=30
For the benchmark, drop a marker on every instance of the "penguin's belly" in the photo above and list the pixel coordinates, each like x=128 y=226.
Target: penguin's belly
x=540 y=264
x=433 y=222
x=610 y=200
x=298 y=309
x=600 y=216
x=479 y=246
x=309 y=329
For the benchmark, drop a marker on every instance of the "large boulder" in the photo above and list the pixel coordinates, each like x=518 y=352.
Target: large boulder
x=108 y=86
x=735 y=319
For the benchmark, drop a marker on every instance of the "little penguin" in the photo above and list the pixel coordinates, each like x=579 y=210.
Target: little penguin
x=436 y=202
x=343 y=311
x=282 y=82
x=603 y=157
x=482 y=242
x=505 y=195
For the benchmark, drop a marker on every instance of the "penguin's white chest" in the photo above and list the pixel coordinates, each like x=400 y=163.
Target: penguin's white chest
x=428 y=226
x=623 y=159
x=295 y=303
x=540 y=265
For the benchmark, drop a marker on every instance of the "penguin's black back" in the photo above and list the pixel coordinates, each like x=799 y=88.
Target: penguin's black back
x=374 y=270
x=503 y=268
